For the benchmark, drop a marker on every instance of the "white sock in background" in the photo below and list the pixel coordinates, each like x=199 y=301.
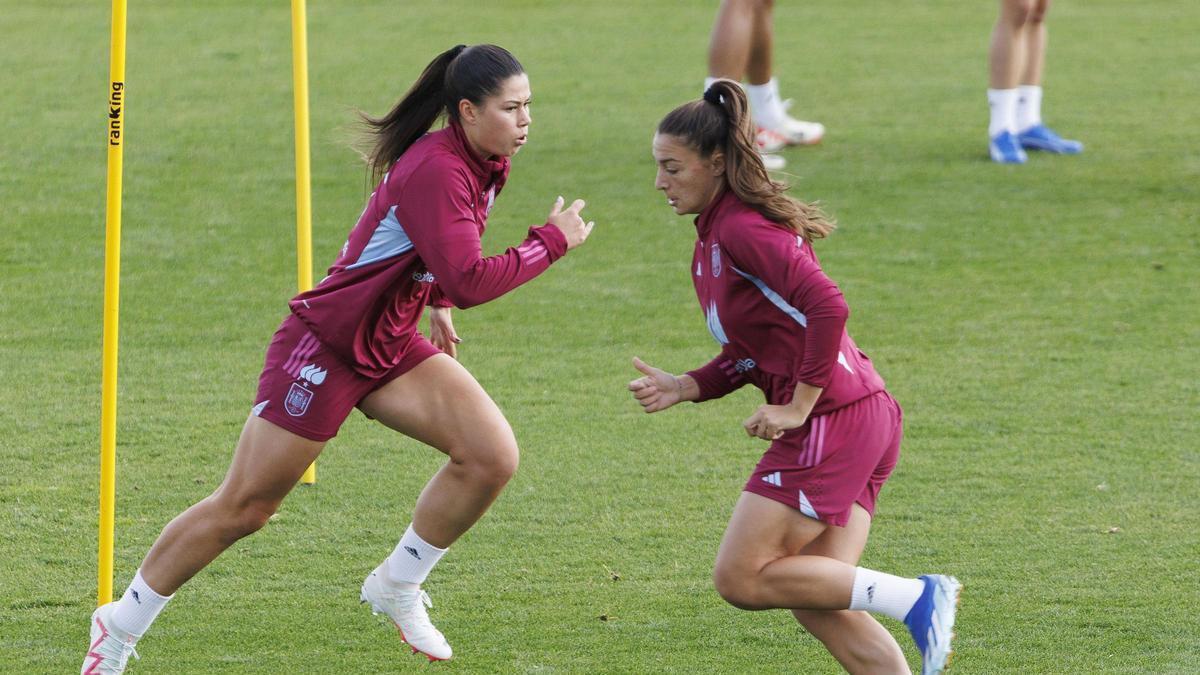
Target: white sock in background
x=138 y=608
x=883 y=593
x=1029 y=106
x=1003 y=103
x=413 y=558
x=765 y=105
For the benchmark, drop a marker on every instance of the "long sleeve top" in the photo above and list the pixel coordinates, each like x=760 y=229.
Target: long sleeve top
x=778 y=318
x=417 y=241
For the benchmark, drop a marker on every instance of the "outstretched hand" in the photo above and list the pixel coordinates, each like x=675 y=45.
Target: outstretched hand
x=570 y=223
x=656 y=389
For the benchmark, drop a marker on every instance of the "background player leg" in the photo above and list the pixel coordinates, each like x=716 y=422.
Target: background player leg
x=1031 y=132
x=730 y=43
x=1006 y=61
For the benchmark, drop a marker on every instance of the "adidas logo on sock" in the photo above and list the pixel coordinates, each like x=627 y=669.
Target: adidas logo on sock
x=871 y=593
x=413 y=551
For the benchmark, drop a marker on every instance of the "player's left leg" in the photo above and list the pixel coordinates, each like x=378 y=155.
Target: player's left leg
x=756 y=570
x=438 y=403
x=1032 y=134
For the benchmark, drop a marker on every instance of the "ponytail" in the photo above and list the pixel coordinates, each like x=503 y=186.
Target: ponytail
x=721 y=121
x=461 y=72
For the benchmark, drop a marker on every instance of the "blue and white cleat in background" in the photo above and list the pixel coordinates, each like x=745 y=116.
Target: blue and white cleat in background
x=1042 y=137
x=1005 y=149
x=931 y=622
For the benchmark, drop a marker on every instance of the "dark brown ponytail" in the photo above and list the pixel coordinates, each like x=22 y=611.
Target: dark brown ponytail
x=462 y=72
x=721 y=121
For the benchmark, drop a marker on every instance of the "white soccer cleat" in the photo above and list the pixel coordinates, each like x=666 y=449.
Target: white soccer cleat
x=789 y=131
x=768 y=140
x=406 y=609
x=111 y=647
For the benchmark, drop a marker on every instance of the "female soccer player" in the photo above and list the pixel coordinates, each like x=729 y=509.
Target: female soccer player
x=352 y=342
x=798 y=529
x=1015 y=59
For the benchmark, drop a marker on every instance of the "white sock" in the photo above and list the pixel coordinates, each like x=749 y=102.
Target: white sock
x=765 y=105
x=1003 y=103
x=1029 y=106
x=413 y=558
x=885 y=594
x=138 y=608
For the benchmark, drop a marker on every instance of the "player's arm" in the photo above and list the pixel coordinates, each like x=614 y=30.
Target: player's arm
x=772 y=257
x=438 y=216
x=773 y=260
x=658 y=390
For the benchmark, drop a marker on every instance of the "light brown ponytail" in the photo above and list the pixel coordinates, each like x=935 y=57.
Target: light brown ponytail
x=721 y=121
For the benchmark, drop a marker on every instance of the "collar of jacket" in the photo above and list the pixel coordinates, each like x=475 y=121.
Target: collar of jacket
x=487 y=171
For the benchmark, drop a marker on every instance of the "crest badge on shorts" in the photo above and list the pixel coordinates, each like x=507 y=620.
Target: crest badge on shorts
x=716 y=260
x=298 y=398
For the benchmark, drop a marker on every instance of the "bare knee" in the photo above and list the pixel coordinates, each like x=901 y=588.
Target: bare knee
x=1038 y=14
x=1020 y=12
x=238 y=518
x=752 y=7
x=492 y=463
x=737 y=587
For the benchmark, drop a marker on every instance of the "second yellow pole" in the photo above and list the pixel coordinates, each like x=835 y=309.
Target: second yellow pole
x=303 y=171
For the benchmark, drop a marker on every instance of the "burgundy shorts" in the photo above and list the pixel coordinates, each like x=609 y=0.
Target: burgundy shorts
x=834 y=461
x=307 y=390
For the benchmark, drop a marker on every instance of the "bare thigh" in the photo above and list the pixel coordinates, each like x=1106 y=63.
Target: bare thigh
x=760 y=564
x=442 y=405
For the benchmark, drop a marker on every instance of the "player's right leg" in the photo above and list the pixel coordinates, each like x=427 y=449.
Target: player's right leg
x=859 y=642
x=268 y=461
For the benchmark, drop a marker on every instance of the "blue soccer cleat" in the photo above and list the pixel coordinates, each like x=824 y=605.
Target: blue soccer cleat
x=931 y=622
x=1005 y=149
x=1042 y=137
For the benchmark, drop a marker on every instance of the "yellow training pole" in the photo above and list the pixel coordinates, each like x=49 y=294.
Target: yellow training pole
x=303 y=174
x=112 y=287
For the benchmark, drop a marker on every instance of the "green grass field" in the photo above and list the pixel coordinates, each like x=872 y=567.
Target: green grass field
x=1040 y=325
